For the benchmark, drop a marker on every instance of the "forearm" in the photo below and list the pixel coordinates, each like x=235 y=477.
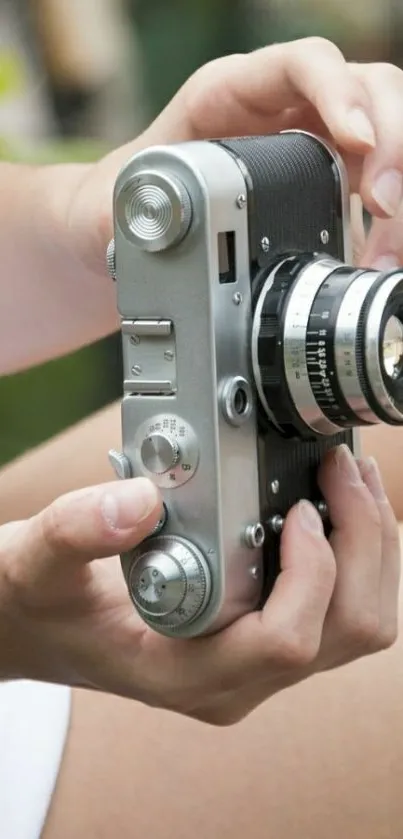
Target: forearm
x=76 y=458
x=49 y=305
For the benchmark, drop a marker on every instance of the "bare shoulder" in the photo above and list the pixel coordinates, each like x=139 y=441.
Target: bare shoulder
x=321 y=760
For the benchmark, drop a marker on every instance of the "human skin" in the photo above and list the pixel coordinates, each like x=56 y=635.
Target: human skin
x=59 y=585
x=323 y=759
x=55 y=221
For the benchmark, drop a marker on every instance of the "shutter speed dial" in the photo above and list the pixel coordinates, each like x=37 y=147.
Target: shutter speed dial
x=165 y=449
x=159 y=453
x=169 y=581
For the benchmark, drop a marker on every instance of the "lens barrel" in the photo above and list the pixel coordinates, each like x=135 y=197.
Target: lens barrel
x=327 y=345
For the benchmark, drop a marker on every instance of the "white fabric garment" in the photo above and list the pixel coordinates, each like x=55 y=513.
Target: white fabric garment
x=34 y=722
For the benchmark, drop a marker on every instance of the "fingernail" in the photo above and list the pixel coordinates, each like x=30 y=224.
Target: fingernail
x=347 y=465
x=129 y=503
x=372 y=477
x=388 y=191
x=310 y=518
x=386 y=262
x=361 y=126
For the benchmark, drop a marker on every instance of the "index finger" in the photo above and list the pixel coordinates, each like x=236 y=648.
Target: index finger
x=246 y=93
x=286 y=634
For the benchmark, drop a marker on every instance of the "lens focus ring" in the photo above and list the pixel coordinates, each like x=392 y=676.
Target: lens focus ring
x=334 y=335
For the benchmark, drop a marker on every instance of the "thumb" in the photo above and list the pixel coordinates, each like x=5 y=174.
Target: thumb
x=82 y=526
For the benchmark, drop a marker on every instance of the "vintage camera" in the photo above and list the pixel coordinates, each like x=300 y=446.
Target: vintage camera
x=251 y=346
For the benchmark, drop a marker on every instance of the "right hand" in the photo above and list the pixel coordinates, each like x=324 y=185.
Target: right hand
x=66 y=616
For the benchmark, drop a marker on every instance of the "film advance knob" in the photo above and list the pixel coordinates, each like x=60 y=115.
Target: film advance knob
x=159 y=453
x=170 y=582
x=158 y=210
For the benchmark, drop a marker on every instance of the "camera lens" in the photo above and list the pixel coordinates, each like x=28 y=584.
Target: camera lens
x=392 y=348
x=327 y=346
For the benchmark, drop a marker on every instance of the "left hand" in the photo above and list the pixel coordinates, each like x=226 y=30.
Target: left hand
x=304 y=84
x=66 y=617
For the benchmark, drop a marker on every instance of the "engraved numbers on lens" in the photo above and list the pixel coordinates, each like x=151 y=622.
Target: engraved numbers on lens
x=167 y=451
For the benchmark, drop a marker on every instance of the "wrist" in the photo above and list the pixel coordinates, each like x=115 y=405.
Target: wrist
x=48 y=225
x=51 y=193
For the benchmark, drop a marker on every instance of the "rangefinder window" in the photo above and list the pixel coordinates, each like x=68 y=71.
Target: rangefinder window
x=226 y=258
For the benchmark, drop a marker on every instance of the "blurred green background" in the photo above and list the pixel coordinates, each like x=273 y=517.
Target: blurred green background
x=78 y=78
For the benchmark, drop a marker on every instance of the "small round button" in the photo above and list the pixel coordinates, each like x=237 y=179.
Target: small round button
x=159 y=453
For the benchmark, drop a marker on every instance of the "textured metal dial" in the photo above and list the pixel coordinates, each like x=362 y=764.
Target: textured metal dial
x=160 y=453
x=169 y=581
x=168 y=443
x=155 y=210
x=111 y=259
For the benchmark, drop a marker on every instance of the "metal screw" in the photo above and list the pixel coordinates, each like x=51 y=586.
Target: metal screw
x=255 y=535
x=237 y=298
x=265 y=244
x=168 y=355
x=276 y=523
x=136 y=370
x=324 y=237
x=134 y=339
x=275 y=486
x=241 y=201
x=254 y=572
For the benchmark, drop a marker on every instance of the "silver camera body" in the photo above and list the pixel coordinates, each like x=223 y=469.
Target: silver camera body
x=239 y=322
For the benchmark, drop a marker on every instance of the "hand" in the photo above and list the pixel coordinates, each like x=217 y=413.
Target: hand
x=67 y=617
x=304 y=84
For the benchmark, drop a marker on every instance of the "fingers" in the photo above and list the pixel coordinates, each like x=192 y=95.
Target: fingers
x=247 y=93
x=390 y=566
x=381 y=185
x=384 y=246
x=382 y=178
x=231 y=672
x=320 y=75
x=78 y=528
x=293 y=617
x=286 y=635
x=353 y=620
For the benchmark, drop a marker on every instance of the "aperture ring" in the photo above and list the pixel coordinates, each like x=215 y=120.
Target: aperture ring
x=295 y=332
x=325 y=343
